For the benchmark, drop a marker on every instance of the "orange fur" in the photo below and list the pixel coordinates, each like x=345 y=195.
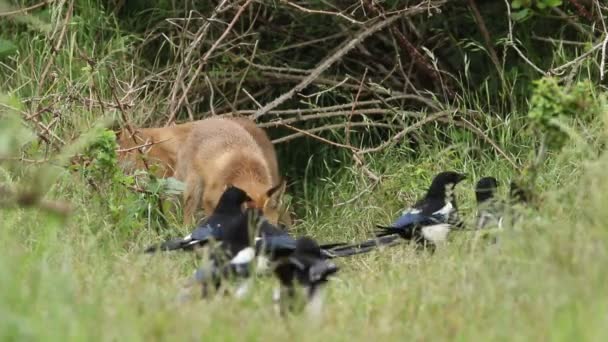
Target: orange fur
x=221 y=152
x=208 y=155
x=161 y=156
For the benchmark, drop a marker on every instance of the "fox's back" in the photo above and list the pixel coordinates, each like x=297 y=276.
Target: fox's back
x=211 y=139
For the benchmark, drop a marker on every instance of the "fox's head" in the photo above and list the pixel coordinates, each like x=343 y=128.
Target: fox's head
x=271 y=204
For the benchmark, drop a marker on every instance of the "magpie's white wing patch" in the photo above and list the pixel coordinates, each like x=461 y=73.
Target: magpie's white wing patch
x=245 y=256
x=412 y=211
x=436 y=233
x=446 y=210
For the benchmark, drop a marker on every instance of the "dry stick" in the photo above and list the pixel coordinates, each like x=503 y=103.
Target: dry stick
x=579 y=58
x=371 y=111
x=204 y=61
x=299 y=112
x=304 y=44
x=418 y=58
x=486 y=37
x=329 y=127
x=511 y=42
x=57 y=46
x=574 y=24
x=228 y=106
x=322 y=80
x=26 y=9
x=582 y=11
x=466 y=124
x=336 y=14
x=352 y=110
x=211 y=95
x=317 y=71
x=130 y=129
x=603 y=57
x=139 y=149
x=147 y=144
x=185 y=65
x=240 y=84
x=356 y=157
x=309 y=133
x=400 y=135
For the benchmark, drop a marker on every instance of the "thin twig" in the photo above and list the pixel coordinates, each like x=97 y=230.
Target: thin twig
x=486 y=36
x=309 y=134
x=26 y=9
x=465 y=123
x=147 y=144
x=57 y=46
x=330 y=127
x=372 y=111
x=330 y=60
x=511 y=41
x=579 y=58
x=603 y=56
x=203 y=63
x=336 y=14
x=400 y=135
x=352 y=109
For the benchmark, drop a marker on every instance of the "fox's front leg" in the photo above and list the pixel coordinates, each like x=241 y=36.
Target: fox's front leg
x=192 y=198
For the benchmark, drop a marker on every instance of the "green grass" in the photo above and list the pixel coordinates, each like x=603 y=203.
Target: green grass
x=83 y=277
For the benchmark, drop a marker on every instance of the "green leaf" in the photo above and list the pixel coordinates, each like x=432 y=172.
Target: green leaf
x=552 y=3
x=522 y=15
x=516 y=4
x=172 y=186
x=7 y=48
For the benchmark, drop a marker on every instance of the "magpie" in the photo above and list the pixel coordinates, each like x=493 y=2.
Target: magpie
x=229 y=213
x=277 y=243
x=230 y=258
x=490 y=211
x=431 y=217
x=518 y=194
x=306 y=269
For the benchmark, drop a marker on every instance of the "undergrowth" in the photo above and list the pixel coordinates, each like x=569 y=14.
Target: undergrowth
x=82 y=276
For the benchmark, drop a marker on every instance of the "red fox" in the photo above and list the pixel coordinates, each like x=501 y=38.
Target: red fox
x=209 y=155
x=229 y=151
x=161 y=154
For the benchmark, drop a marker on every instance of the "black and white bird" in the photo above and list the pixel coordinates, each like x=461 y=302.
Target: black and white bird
x=230 y=259
x=229 y=213
x=490 y=210
x=432 y=217
x=277 y=243
x=305 y=270
x=518 y=194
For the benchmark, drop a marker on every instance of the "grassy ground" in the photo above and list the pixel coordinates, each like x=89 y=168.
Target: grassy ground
x=83 y=277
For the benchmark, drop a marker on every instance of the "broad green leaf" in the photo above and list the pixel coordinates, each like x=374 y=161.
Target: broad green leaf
x=7 y=48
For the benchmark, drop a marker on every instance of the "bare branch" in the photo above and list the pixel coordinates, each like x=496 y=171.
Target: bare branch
x=362 y=35
x=404 y=132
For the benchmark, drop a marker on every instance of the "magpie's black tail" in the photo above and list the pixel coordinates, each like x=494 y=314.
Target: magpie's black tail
x=333 y=245
x=362 y=247
x=387 y=231
x=169 y=245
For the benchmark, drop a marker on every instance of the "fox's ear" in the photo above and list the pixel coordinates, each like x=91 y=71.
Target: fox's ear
x=275 y=193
